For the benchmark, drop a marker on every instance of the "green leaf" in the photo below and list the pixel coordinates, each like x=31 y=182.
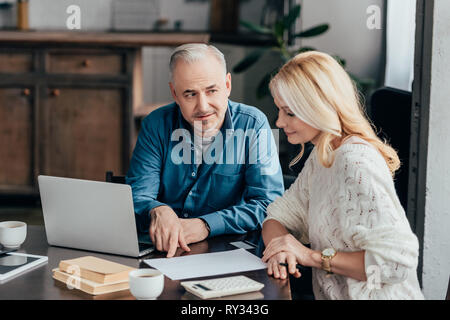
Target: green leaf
x=341 y=61
x=249 y=60
x=293 y=14
x=279 y=30
x=312 y=32
x=305 y=49
x=364 y=85
x=256 y=28
x=363 y=81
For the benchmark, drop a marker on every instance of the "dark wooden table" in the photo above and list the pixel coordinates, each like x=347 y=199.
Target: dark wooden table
x=38 y=284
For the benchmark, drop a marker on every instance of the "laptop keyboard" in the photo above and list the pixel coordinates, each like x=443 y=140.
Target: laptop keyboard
x=145 y=246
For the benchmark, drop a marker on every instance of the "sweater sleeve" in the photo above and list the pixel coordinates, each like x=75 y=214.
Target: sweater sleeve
x=291 y=209
x=373 y=219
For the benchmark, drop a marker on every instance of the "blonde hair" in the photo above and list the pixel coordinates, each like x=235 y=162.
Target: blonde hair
x=320 y=93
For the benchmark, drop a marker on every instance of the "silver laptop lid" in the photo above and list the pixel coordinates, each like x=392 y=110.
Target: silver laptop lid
x=89 y=215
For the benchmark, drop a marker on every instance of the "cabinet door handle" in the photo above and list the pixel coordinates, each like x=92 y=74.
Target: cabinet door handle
x=26 y=92
x=55 y=92
x=86 y=63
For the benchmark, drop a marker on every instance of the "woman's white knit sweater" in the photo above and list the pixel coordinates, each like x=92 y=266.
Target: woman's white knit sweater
x=353 y=206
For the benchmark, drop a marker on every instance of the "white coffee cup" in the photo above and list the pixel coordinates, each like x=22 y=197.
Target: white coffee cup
x=12 y=234
x=146 y=284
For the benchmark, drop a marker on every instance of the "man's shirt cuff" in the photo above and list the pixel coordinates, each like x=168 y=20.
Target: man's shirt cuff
x=215 y=222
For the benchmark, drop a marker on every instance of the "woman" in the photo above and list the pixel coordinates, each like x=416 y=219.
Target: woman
x=343 y=202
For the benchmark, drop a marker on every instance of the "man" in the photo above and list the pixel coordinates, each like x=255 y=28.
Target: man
x=203 y=165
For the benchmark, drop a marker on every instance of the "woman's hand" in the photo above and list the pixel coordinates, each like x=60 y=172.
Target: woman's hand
x=288 y=243
x=274 y=268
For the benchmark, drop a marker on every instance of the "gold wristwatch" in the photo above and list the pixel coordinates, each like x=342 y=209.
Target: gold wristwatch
x=327 y=255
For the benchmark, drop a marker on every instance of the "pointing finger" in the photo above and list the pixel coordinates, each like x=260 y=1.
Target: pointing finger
x=182 y=241
x=173 y=244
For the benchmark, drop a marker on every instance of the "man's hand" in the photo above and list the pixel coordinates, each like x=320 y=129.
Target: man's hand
x=194 y=230
x=166 y=230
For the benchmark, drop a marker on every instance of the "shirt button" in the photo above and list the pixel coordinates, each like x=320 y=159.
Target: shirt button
x=190 y=193
x=193 y=174
x=186 y=215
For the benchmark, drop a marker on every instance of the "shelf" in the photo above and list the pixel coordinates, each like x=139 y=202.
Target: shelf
x=243 y=39
x=135 y=38
x=117 y=39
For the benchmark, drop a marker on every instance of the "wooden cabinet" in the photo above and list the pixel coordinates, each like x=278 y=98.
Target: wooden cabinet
x=85 y=63
x=83 y=133
x=65 y=112
x=16 y=139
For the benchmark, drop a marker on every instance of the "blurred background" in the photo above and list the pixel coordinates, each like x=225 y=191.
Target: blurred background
x=373 y=39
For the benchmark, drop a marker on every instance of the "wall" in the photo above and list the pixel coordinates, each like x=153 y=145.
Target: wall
x=436 y=253
x=98 y=14
x=348 y=35
x=51 y=14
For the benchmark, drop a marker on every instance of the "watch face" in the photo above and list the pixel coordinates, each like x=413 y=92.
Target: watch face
x=328 y=252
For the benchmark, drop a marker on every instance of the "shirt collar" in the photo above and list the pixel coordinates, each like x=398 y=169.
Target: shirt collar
x=228 y=121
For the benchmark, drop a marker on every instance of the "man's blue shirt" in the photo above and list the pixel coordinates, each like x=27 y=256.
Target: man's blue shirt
x=230 y=189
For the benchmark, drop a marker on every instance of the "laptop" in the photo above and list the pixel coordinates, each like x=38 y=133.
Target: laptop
x=91 y=215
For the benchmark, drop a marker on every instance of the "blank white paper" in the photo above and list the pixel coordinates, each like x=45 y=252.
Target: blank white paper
x=207 y=264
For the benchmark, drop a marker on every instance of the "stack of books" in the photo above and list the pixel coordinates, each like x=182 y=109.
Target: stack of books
x=93 y=275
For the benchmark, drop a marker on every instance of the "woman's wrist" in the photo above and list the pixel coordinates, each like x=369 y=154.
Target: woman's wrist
x=272 y=229
x=315 y=259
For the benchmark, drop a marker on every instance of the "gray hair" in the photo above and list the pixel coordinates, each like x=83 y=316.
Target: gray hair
x=192 y=52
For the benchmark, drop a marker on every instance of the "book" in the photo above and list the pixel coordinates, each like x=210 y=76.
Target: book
x=14 y=264
x=88 y=286
x=95 y=269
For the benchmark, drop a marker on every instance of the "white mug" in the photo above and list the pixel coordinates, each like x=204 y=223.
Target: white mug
x=12 y=234
x=146 y=284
